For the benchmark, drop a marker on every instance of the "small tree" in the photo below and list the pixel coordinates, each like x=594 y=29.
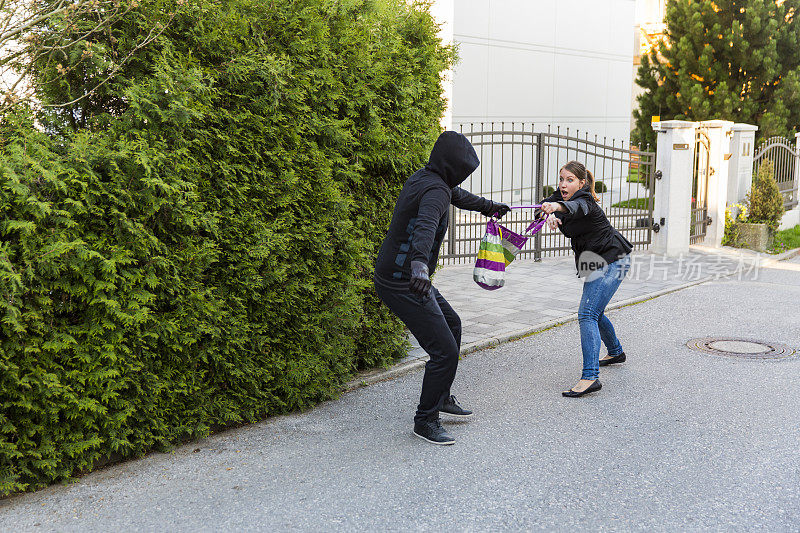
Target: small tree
x=765 y=201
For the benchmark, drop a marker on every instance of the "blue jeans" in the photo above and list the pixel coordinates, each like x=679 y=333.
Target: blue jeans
x=598 y=289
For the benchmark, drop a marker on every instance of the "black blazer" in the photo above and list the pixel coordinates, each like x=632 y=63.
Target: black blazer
x=586 y=225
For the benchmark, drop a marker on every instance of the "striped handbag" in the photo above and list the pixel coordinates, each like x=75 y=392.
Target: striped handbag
x=497 y=250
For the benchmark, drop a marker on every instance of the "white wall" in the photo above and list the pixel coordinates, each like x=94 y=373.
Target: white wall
x=443 y=11
x=560 y=62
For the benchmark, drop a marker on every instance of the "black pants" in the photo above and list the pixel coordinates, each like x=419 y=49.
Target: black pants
x=437 y=327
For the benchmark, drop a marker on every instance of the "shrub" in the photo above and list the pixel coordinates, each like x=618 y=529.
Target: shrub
x=764 y=201
x=548 y=190
x=730 y=236
x=196 y=250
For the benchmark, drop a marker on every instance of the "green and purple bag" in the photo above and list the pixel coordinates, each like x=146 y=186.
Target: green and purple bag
x=497 y=250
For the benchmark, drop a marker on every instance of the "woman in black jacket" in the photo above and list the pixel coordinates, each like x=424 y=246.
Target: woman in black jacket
x=602 y=259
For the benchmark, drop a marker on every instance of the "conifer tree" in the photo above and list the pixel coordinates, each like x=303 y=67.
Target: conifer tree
x=765 y=201
x=728 y=59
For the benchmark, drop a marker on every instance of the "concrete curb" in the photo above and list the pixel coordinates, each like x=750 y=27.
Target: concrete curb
x=375 y=376
x=766 y=259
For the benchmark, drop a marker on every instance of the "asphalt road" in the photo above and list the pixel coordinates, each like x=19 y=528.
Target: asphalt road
x=676 y=440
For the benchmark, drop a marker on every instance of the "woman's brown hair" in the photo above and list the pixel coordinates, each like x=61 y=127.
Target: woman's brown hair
x=582 y=173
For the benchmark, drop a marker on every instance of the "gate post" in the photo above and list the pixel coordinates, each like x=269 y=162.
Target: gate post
x=675 y=147
x=791 y=218
x=797 y=168
x=540 y=177
x=451 y=231
x=719 y=157
x=796 y=189
x=740 y=168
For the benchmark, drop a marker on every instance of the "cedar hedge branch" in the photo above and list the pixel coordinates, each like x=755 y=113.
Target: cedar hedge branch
x=191 y=247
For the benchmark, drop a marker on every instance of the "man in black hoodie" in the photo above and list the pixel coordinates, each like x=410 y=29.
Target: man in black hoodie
x=408 y=257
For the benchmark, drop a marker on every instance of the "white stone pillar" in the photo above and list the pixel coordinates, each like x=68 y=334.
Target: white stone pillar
x=740 y=166
x=791 y=218
x=443 y=11
x=717 y=195
x=796 y=196
x=673 y=191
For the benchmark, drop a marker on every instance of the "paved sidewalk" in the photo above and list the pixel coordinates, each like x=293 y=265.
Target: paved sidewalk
x=542 y=294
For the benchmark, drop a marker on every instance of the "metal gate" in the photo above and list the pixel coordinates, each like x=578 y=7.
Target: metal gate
x=520 y=165
x=778 y=152
x=701 y=170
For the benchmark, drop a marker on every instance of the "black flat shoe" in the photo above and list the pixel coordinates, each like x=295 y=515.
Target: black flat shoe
x=613 y=360
x=595 y=386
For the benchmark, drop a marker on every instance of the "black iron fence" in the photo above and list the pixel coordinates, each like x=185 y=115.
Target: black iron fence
x=520 y=165
x=783 y=157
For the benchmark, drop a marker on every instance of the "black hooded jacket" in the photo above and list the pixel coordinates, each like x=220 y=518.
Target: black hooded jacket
x=586 y=225
x=421 y=214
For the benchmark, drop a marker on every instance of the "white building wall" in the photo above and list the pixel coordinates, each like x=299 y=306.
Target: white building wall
x=561 y=62
x=443 y=11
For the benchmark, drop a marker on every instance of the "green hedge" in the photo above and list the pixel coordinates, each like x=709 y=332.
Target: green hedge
x=196 y=249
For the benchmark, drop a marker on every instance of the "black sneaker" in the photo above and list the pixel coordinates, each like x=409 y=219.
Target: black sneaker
x=452 y=408
x=432 y=431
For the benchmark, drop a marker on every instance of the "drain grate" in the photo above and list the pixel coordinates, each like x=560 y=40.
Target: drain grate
x=743 y=348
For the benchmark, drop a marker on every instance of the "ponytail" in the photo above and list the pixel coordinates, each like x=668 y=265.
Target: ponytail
x=590 y=182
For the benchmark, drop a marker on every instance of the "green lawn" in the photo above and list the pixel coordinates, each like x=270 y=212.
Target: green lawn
x=634 y=203
x=633 y=175
x=786 y=240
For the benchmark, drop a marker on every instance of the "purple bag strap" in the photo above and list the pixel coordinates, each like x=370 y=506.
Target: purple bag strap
x=534 y=226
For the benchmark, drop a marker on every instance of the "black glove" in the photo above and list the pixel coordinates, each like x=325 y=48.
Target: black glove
x=496 y=209
x=420 y=281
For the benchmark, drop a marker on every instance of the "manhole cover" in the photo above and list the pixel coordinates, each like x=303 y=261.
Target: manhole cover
x=745 y=348
x=739 y=347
